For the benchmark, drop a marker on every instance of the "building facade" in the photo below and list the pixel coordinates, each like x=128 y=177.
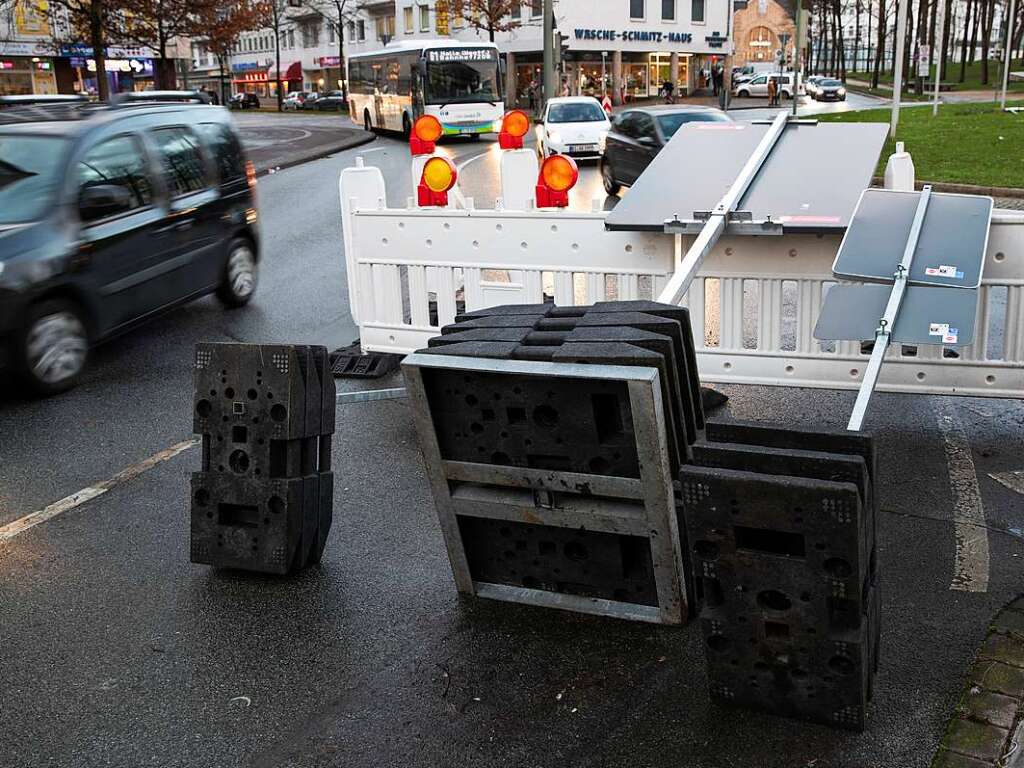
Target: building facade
x=762 y=30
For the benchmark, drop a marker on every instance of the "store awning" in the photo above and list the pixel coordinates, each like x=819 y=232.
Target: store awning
x=294 y=72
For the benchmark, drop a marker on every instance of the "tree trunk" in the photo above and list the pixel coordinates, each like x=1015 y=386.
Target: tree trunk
x=867 y=40
x=963 y=42
x=986 y=30
x=947 y=24
x=978 y=8
x=856 y=34
x=842 y=39
x=277 y=54
x=879 y=44
x=99 y=52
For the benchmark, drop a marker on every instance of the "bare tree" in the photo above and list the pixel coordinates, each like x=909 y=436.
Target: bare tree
x=338 y=13
x=155 y=23
x=488 y=16
x=222 y=25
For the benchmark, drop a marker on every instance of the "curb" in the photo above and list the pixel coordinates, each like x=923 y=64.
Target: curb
x=987 y=728
x=961 y=189
x=319 y=152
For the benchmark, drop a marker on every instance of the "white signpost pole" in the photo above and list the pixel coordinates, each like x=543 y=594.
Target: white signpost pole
x=1009 y=51
x=938 y=56
x=897 y=80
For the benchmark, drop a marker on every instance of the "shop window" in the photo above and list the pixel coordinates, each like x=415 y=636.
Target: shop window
x=636 y=9
x=424 y=18
x=668 y=10
x=407 y=20
x=697 y=11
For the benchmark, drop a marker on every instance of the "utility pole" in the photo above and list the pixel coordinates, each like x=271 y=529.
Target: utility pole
x=897 y=80
x=1009 y=51
x=797 y=57
x=550 y=85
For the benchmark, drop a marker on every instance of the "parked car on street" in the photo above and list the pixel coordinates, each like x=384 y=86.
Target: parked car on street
x=637 y=135
x=332 y=101
x=295 y=100
x=311 y=99
x=811 y=84
x=830 y=90
x=574 y=126
x=110 y=215
x=244 y=101
x=759 y=86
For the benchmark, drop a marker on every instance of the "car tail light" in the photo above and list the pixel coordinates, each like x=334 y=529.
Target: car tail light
x=439 y=175
x=250 y=174
x=558 y=174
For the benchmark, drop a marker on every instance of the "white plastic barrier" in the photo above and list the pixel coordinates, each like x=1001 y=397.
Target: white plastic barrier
x=753 y=305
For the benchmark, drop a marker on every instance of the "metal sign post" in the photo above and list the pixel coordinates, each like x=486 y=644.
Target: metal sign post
x=938 y=57
x=897 y=80
x=888 y=319
x=718 y=218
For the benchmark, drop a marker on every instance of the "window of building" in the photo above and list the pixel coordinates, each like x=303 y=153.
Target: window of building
x=385 y=26
x=697 y=11
x=517 y=11
x=351 y=31
x=291 y=38
x=424 y=18
x=407 y=20
x=119 y=161
x=310 y=34
x=537 y=8
x=668 y=10
x=182 y=160
x=636 y=9
x=361 y=30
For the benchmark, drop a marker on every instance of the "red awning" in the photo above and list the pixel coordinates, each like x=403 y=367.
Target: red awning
x=294 y=72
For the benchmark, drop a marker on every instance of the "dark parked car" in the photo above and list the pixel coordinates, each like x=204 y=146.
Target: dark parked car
x=110 y=215
x=310 y=101
x=244 y=101
x=333 y=101
x=637 y=135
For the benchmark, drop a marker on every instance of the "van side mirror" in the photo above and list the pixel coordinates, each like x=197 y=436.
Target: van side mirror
x=101 y=200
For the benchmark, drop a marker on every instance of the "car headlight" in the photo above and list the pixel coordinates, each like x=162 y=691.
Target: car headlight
x=602 y=138
x=555 y=136
x=841 y=91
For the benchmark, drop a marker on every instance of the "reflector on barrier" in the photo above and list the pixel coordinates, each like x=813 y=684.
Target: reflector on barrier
x=514 y=126
x=425 y=133
x=558 y=174
x=439 y=175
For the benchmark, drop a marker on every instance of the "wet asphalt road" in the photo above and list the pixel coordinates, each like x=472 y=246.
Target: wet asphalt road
x=118 y=652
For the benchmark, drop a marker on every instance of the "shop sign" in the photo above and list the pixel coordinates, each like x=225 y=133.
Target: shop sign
x=26 y=49
x=244 y=66
x=716 y=40
x=634 y=35
x=329 y=61
x=31 y=17
x=143 y=67
x=82 y=51
x=6 y=65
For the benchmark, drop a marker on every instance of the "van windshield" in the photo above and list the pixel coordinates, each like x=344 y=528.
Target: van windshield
x=29 y=176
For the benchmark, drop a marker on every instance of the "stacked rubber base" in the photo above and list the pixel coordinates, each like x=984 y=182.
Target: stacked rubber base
x=781 y=526
x=635 y=333
x=556 y=447
x=263 y=500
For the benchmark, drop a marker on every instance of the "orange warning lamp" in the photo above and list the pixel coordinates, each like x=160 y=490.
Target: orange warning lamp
x=514 y=126
x=558 y=174
x=439 y=175
x=425 y=133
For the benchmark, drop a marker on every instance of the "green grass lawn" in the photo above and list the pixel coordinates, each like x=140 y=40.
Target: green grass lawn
x=972 y=77
x=964 y=144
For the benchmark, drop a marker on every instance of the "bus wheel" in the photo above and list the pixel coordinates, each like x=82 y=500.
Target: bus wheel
x=366 y=121
x=406 y=125
x=474 y=137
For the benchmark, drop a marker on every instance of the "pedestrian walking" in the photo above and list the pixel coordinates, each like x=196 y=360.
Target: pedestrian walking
x=666 y=91
x=773 y=92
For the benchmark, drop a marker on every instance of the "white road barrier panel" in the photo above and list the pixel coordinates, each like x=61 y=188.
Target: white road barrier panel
x=754 y=302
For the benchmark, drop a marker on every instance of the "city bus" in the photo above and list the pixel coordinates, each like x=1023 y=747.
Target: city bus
x=458 y=83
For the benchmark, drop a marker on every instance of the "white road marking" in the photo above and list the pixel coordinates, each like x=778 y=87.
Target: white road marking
x=68 y=503
x=375 y=149
x=1012 y=480
x=971 y=564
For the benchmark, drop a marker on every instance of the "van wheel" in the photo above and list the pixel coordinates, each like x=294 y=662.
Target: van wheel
x=367 y=124
x=53 y=349
x=240 y=274
x=611 y=186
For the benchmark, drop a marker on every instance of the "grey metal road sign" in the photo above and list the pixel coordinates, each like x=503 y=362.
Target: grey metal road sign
x=927 y=315
x=950 y=250
x=810 y=183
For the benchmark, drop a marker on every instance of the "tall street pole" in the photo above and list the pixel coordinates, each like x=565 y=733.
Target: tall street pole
x=550 y=87
x=797 y=51
x=1009 y=51
x=937 y=55
x=897 y=80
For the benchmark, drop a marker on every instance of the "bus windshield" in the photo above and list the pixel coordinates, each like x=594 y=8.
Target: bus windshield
x=462 y=76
